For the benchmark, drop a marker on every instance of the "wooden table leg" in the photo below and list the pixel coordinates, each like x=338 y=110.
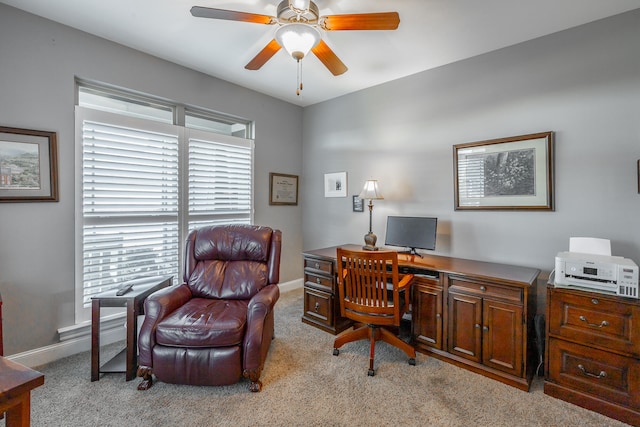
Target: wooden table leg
x=95 y=340
x=18 y=410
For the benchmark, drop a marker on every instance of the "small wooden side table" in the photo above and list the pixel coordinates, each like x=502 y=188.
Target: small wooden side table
x=127 y=360
x=16 y=383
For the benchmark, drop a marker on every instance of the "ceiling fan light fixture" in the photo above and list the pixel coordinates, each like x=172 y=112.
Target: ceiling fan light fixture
x=297 y=39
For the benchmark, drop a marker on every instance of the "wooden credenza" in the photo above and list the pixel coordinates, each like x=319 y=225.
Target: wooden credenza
x=593 y=352
x=476 y=315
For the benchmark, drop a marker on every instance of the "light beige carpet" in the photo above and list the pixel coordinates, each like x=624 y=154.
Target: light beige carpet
x=305 y=385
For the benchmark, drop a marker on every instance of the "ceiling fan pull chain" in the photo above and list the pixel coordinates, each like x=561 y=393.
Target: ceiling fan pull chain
x=299 y=88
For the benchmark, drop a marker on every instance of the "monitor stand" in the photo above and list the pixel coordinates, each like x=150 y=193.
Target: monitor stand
x=411 y=251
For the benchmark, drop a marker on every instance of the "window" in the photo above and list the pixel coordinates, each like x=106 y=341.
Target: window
x=143 y=183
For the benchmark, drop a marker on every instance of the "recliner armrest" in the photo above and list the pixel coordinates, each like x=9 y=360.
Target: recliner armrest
x=157 y=306
x=259 y=307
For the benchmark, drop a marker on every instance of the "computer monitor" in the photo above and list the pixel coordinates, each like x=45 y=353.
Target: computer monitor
x=411 y=232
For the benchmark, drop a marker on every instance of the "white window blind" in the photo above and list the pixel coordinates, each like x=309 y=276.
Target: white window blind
x=129 y=202
x=220 y=180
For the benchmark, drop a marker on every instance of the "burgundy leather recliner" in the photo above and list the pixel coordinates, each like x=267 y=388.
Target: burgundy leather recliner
x=216 y=327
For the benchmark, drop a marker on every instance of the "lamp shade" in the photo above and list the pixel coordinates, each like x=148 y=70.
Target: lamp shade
x=297 y=39
x=371 y=190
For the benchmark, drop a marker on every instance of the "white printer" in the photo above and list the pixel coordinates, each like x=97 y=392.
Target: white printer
x=600 y=273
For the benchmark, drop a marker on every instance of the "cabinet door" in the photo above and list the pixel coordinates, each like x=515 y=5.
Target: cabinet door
x=502 y=329
x=427 y=315
x=465 y=326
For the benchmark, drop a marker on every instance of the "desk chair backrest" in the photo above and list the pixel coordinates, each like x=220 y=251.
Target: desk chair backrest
x=368 y=287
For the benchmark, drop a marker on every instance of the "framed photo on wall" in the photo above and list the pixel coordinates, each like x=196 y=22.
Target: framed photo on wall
x=358 y=204
x=28 y=165
x=514 y=173
x=283 y=189
x=335 y=184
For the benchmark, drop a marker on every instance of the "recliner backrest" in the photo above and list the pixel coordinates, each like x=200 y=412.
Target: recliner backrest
x=230 y=261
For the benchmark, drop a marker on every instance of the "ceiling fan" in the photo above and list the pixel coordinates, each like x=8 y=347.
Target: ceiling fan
x=299 y=24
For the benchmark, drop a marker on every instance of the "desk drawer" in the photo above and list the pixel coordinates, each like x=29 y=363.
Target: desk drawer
x=319 y=264
x=605 y=375
x=511 y=294
x=318 y=306
x=322 y=283
x=596 y=320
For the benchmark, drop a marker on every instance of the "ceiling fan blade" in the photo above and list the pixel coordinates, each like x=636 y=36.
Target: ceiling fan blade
x=329 y=59
x=231 y=15
x=361 y=21
x=263 y=56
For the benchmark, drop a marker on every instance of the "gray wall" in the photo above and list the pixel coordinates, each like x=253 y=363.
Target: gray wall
x=39 y=60
x=583 y=84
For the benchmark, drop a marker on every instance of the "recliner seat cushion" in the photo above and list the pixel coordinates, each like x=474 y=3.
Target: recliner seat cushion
x=204 y=322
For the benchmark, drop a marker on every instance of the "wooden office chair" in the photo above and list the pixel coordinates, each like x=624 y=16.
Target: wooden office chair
x=371 y=294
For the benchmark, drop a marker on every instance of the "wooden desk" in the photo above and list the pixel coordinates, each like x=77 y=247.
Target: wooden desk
x=16 y=383
x=476 y=315
x=127 y=360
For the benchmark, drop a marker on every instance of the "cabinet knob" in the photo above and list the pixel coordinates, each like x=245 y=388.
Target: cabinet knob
x=318 y=280
x=602 y=374
x=485 y=328
x=317 y=265
x=477 y=326
x=483 y=288
x=438 y=315
x=594 y=301
x=317 y=307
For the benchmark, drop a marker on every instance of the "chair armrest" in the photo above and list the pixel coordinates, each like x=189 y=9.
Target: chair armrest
x=258 y=309
x=156 y=307
x=405 y=283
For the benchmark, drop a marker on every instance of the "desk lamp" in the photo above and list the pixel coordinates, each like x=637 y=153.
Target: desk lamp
x=371 y=192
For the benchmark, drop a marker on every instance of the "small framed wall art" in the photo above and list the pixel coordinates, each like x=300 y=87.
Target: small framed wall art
x=28 y=165
x=514 y=173
x=283 y=189
x=335 y=184
x=358 y=204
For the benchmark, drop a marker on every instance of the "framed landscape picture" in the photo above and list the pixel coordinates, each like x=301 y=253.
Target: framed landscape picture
x=514 y=173
x=28 y=165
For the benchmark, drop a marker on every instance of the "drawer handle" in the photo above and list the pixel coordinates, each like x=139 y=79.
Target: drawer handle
x=317 y=265
x=602 y=374
x=318 y=280
x=317 y=307
x=594 y=325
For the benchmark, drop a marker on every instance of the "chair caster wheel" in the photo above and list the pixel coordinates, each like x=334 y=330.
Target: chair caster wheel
x=336 y=352
x=412 y=361
x=371 y=372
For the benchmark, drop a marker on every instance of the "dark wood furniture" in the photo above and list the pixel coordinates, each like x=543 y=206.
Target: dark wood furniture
x=476 y=315
x=126 y=360
x=16 y=383
x=372 y=295
x=593 y=352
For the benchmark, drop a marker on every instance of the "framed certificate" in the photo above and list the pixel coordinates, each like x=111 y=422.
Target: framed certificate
x=283 y=189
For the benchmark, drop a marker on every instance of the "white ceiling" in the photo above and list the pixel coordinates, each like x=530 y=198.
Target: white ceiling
x=431 y=33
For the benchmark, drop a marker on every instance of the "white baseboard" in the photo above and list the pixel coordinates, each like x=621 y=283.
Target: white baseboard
x=80 y=338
